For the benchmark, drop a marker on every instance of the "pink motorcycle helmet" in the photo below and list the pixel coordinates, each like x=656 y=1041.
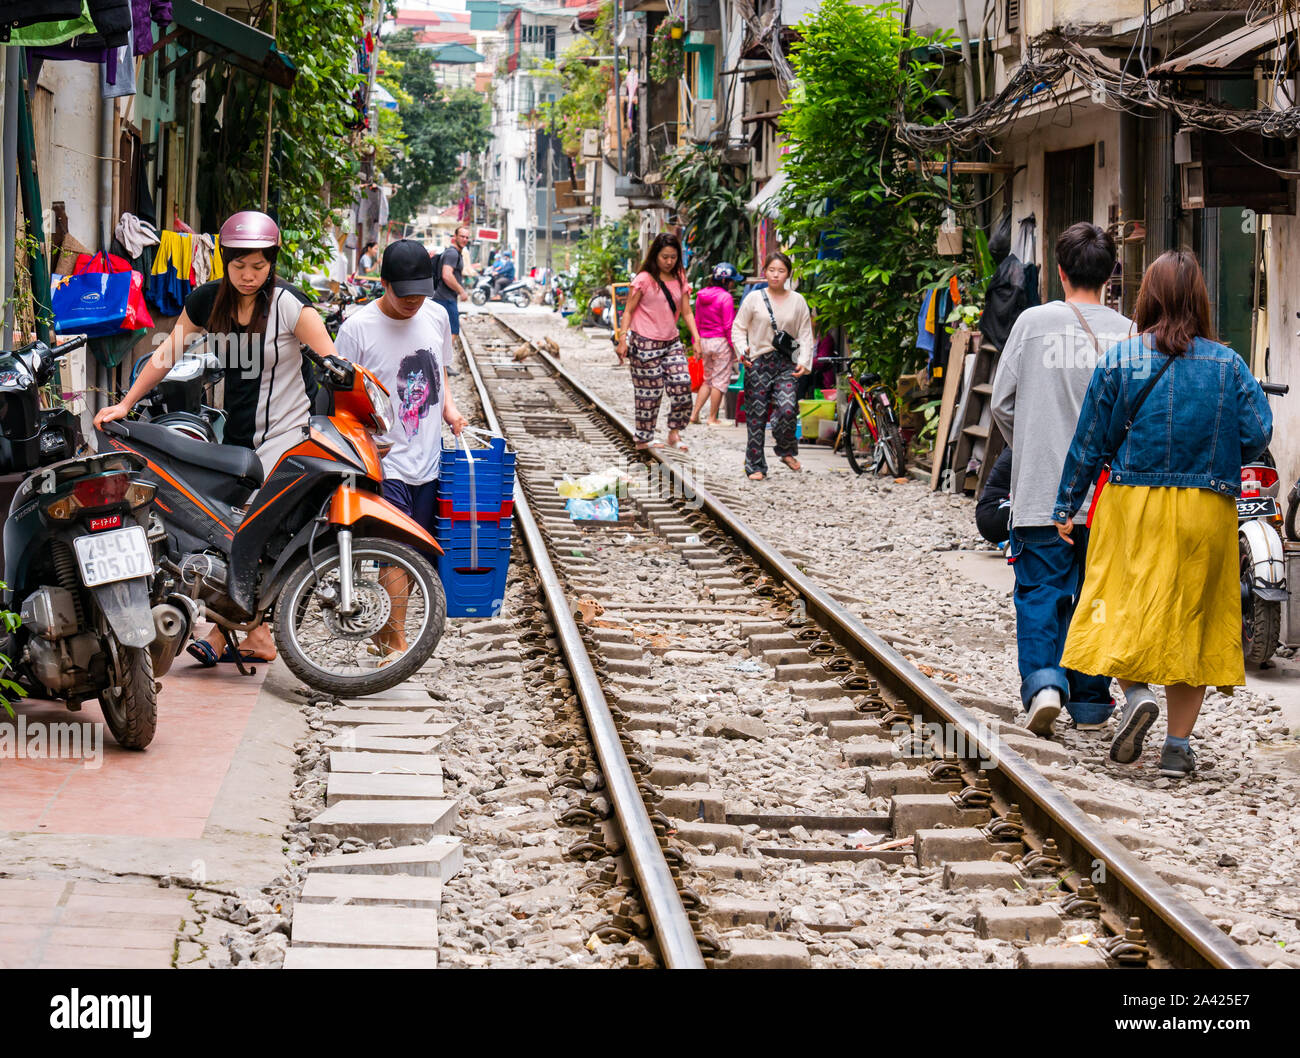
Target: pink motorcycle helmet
x=249 y=230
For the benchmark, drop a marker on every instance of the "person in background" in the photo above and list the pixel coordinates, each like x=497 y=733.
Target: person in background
x=449 y=271
x=505 y=272
x=993 y=508
x=770 y=373
x=369 y=258
x=715 y=312
x=659 y=298
x=1038 y=389
x=404 y=338
x=1161 y=602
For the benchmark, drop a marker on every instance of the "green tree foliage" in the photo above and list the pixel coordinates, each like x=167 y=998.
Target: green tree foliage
x=585 y=86
x=711 y=195
x=600 y=258
x=439 y=125
x=848 y=189
x=386 y=141
x=313 y=160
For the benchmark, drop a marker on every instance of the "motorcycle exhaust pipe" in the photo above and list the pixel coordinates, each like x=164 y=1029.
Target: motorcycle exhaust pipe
x=173 y=627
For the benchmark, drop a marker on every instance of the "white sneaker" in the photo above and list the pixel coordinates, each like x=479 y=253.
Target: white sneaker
x=1044 y=708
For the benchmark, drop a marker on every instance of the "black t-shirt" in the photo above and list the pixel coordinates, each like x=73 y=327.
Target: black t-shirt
x=243 y=372
x=450 y=256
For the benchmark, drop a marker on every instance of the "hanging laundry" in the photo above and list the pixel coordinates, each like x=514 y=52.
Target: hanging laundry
x=58 y=23
x=925 y=322
x=135 y=234
x=169 y=279
x=202 y=260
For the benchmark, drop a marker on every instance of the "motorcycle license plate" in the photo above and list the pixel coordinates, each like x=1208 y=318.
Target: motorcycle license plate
x=119 y=555
x=1257 y=507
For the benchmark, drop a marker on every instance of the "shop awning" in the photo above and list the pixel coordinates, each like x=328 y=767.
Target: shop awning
x=199 y=28
x=765 y=201
x=1228 y=49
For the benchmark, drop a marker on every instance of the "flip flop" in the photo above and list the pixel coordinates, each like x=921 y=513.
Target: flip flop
x=796 y=468
x=201 y=651
x=244 y=655
x=758 y=475
x=680 y=446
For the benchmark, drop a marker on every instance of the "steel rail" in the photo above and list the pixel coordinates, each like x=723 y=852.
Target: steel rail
x=659 y=892
x=1178 y=931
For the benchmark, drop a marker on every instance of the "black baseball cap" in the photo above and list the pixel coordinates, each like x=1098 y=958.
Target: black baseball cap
x=408 y=268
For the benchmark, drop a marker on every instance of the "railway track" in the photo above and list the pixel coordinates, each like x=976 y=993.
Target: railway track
x=773 y=770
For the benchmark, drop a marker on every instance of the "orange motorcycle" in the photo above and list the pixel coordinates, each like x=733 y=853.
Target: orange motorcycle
x=358 y=606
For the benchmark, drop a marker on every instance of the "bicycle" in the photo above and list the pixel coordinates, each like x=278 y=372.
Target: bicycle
x=870 y=428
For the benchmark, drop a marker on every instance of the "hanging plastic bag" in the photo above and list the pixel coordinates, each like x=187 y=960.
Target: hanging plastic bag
x=604 y=509
x=590 y=486
x=137 y=312
x=93 y=303
x=695 y=367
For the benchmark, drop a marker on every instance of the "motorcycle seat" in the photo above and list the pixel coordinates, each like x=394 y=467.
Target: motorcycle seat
x=231 y=461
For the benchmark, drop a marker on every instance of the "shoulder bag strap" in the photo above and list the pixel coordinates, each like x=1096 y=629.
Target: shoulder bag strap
x=1137 y=405
x=664 y=287
x=770 y=314
x=1084 y=324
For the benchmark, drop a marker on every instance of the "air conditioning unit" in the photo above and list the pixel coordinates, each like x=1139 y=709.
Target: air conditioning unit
x=702 y=120
x=591 y=143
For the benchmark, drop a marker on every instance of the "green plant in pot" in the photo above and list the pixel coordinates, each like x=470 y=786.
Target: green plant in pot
x=667 y=54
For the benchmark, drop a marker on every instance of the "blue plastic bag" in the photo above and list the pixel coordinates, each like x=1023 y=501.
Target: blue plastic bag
x=92 y=303
x=601 y=509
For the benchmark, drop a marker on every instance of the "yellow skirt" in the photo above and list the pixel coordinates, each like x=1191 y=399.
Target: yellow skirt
x=1161 y=600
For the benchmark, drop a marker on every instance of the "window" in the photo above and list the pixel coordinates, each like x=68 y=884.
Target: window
x=550 y=42
x=519 y=170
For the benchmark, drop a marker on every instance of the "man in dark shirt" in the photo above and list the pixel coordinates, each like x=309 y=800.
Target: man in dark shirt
x=450 y=275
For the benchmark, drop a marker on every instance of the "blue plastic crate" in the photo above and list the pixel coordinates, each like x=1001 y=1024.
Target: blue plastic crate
x=487 y=496
x=474 y=591
x=454 y=460
x=453 y=535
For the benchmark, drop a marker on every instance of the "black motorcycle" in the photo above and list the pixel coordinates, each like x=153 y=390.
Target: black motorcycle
x=184 y=401
x=79 y=561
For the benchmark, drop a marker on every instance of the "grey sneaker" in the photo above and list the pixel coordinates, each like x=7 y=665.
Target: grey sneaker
x=1044 y=708
x=1136 y=716
x=1176 y=762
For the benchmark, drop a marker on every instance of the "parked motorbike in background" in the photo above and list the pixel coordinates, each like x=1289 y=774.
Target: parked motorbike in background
x=1259 y=544
x=518 y=292
x=79 y=560
x=600 y=311
x=184 y=401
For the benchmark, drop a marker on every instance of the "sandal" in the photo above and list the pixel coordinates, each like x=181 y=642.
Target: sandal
x=201 y=651
x=792 y=463
x=756 y=476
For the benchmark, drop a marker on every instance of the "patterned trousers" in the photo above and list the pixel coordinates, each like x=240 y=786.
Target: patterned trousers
x=658 y=366
x=769 y=380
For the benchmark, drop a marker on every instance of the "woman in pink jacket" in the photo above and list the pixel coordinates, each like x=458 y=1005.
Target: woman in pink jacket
x=715 y=312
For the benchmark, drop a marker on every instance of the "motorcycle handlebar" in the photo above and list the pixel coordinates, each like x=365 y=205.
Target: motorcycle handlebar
x=338 y=369
x=1275 y=389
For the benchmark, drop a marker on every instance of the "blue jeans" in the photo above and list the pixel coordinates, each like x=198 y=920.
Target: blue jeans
x=453 y=313
x=1049 y=576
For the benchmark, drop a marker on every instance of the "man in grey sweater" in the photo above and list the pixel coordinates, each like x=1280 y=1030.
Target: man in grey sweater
x=1038 y=390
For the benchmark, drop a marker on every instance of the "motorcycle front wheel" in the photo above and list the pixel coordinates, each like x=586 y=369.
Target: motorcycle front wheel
x=479 y=297
x=521 y=300
x=131 y=708
x=399 y=600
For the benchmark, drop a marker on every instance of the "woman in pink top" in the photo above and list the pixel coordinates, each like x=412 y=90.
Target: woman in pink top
x=715 y=312
x=660 y=296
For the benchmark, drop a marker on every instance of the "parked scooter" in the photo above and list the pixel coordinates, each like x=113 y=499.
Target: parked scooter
x=1259 y=543
x=79 y=556
x=180 y=400
x=518 y=292
x=344 y=570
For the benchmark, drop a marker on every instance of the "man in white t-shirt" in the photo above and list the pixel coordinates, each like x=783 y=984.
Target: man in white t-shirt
x=404 y=338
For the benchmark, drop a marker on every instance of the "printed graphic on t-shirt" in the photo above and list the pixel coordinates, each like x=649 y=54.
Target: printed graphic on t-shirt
x=417 y=388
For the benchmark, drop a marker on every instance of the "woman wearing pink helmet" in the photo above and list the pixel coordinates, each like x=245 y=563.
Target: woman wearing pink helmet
x=256 y=326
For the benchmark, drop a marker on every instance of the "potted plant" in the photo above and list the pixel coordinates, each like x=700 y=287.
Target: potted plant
x=667 y=55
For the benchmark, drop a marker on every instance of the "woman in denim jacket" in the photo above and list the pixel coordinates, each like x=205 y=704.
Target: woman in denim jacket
x=1161 y=601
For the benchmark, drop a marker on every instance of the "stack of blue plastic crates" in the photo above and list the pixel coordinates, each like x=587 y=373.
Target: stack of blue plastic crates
x=475 y=514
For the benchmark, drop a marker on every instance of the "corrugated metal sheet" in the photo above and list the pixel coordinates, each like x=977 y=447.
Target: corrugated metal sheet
x=1232 y=46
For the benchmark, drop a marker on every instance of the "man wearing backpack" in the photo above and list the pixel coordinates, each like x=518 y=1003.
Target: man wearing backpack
x=1038 y=391
x=450 y=274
